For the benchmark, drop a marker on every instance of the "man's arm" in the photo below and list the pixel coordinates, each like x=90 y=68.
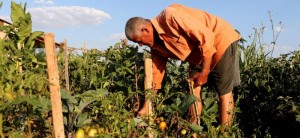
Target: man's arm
x=158 y=69
x=200 y=78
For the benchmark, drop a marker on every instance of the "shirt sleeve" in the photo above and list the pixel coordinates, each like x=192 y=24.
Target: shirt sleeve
x=158 y=69
x=195 y=29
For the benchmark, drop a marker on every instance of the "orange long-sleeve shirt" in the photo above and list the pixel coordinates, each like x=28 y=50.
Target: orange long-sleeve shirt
x=190 y=35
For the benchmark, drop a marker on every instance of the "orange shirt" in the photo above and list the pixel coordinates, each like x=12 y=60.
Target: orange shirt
x=190 y=35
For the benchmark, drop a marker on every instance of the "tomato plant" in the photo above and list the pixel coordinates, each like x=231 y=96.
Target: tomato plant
x=107 y=87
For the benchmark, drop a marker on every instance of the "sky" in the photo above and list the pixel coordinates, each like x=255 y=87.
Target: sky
x=100 y=23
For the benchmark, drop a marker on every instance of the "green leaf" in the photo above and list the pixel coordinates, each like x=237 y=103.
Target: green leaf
x=30 y=42
x=196 y=128
x=25 y=27
x=212 y=108
x=17 y=101
x=186 y=103
x=33 y=102
x=45 y=102
x=105 y=84
x=83 y=119
x=128 y=70
x=84 y=103
x=120 y=83
x=67 y=96
x=16 y=12
x=139 y=122
x=132 y=123
x=21 y=20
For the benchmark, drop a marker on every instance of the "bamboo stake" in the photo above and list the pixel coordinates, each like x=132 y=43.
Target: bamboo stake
x=54 y=86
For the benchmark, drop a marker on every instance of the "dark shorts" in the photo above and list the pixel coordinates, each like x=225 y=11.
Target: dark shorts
x=226 y=73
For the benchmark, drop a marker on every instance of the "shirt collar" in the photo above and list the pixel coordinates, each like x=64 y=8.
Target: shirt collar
x=157 y=27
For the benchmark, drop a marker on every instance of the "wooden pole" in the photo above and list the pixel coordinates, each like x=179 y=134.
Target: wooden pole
x=66 y=65
x=54 y=86
x=84 y=47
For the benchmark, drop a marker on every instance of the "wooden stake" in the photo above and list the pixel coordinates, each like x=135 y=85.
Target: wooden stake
x=66 y=65
x=148 y=80
x=54 y=85
x=84 y=47
x=148 y=85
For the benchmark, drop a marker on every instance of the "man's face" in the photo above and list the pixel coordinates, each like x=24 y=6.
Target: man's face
x=146 y=37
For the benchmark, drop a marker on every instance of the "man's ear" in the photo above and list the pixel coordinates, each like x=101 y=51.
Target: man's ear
x=145 y=28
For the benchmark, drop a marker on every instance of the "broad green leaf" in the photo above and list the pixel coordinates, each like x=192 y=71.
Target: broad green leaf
x=45 y=102
x=186 y=103
x=84 y=102
x=30 y=42
x=21 y=20
x=196 y=128
x=16 y=101
x=66 y=95
x=208 y=101
x=16 y=12
x=33 y=102
x=139 y=122
x=83 y=120
x=25 y=27
x=212 y=107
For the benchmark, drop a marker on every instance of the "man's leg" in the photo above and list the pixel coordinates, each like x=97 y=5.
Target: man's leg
x=226 y=110
x=226 y=76
x=147 y=107
x=144 y=111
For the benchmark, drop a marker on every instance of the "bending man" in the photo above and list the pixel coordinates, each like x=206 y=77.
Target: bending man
x=207 y=42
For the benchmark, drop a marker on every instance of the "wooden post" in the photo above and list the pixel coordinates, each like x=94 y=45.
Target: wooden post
x=54 y=86
x=66 y=65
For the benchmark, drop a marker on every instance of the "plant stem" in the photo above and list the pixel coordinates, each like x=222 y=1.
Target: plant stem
x=29 y=127
x=1 y=127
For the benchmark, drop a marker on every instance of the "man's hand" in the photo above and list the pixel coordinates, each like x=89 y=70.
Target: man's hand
x=199 y=77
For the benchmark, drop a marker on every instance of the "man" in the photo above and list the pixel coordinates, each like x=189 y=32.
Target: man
x=207 y=42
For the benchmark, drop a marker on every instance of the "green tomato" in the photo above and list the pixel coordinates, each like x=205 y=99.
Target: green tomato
x=101 y=130
x=10 y=96
x=92 y=132
x=79 y=133
x=161 y=119
x=183 y=131
x=87 y=129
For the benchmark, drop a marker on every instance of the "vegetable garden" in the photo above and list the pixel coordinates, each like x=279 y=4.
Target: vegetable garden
x=103 y=91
